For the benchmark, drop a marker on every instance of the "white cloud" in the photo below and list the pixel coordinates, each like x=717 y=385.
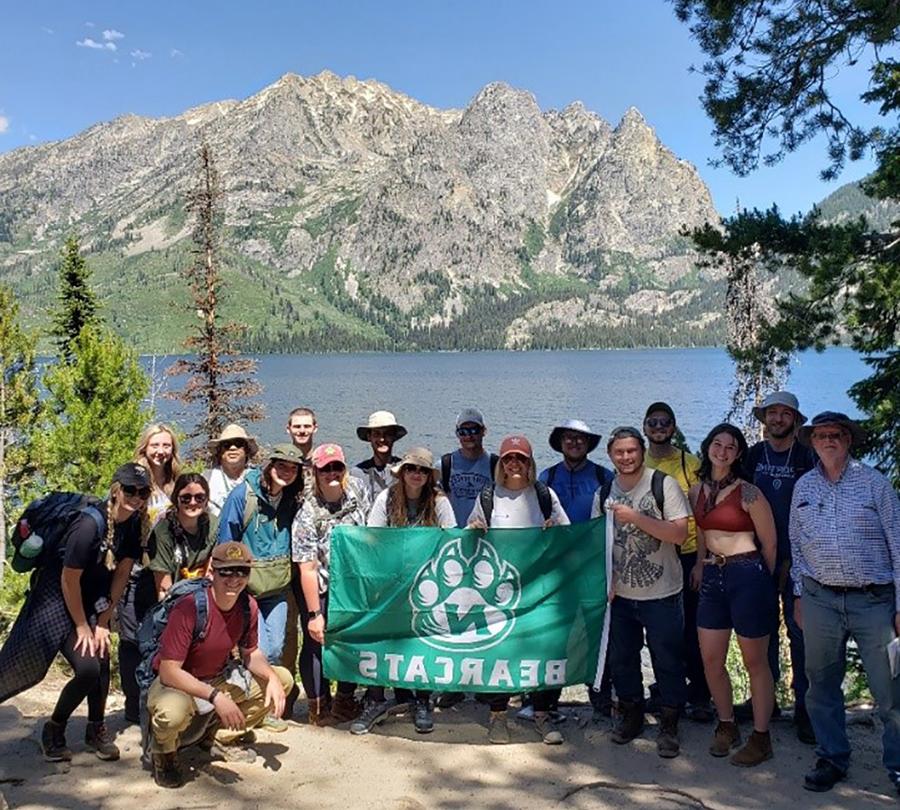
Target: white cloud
x=87 y=42
x=89 y=25
x=175 y=53
x=140 y=55
x=4 y=124
x=47 y=30
x=111 y=34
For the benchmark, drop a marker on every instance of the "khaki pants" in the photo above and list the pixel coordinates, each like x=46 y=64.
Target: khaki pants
x=291 y=641
x=171 y=710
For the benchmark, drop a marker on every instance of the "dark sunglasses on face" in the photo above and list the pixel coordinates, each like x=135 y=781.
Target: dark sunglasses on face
x=141 y=492
x=239 y=443
x=243 y=573
x=514 y=457
x=660 y=422
x=192 y=497
x=469 y=431
x=332 y=468
x=415 y=468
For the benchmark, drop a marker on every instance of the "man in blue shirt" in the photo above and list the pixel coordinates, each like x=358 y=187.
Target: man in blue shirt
x=468 y=470
x=576 y=478
x=845 y=544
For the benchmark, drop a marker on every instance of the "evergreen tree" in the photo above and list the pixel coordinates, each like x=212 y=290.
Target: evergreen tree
x=77 y=304
x=20 y=410
x=770 y=78
x=217 y=381
x=94 y=414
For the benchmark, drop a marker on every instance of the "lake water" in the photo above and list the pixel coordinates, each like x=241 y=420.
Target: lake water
x=526 y=392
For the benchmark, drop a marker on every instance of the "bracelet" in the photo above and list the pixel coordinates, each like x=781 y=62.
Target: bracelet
x=213 y=695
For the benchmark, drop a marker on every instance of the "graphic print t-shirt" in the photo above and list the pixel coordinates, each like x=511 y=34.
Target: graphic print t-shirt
x=644 y=567
x=467 y=479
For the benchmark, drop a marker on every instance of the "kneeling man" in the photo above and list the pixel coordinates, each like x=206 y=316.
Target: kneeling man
x=197 y=673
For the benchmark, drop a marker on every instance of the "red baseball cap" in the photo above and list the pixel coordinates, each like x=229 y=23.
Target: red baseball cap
x=516 y=444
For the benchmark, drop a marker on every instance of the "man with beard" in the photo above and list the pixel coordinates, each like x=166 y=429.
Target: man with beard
x=659 y=428
x=774 y=465
x=381 y=431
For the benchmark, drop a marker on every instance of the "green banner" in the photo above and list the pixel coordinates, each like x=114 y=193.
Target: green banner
x=503 y=611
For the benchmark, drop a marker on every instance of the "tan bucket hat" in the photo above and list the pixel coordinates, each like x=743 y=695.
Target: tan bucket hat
x=415 y=457
x=380 y=419
x=233 y=431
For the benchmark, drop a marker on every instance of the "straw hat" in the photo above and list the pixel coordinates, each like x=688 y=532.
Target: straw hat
x=231 y=432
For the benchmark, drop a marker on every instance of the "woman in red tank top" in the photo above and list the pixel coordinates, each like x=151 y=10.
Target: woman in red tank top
x=735 y=559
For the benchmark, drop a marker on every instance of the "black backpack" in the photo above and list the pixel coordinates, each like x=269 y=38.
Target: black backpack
x=47 y=520
x=157 y=618
x=445 y=470
x=541 y=490
x=656 y=487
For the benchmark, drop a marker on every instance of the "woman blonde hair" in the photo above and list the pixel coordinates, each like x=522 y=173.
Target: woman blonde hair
x=173 y=465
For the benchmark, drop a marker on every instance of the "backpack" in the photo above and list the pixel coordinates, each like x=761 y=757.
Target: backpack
x=445 y=470
x=656 y=487
x=155 y=622
x=541 y=490
x=598 y=471
x=38 y=535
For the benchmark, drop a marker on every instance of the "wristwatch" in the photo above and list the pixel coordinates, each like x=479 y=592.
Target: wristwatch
x=314 y=614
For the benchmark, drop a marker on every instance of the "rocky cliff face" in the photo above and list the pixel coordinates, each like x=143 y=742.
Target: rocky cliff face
x=352 y=205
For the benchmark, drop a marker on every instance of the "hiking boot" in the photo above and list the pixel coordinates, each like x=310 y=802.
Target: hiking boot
x=667 y=745
x=601 y=701
x=374 y=711
x=97 y=739
x=344 y=708
x=498 y=728
x=700 y=712
x=544 y=726
x=447 y=700
x=727 y=736
x=53 y=742
x=755 y=751
x=630 y=723
x=422 y=719
x=805 y=731
x=166 y=771
x=320 y=712
x=823 y=777
x=743 y=712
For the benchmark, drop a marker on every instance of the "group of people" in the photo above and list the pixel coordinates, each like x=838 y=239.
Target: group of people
x=702 y=547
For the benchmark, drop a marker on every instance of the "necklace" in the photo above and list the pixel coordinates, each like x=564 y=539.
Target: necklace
x=776 y=482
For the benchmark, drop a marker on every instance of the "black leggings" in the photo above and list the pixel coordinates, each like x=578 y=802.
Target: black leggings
x=315 y=684
x=91 y=681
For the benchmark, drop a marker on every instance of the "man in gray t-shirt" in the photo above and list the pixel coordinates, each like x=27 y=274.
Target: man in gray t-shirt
x=647 y=514
x=467 y=471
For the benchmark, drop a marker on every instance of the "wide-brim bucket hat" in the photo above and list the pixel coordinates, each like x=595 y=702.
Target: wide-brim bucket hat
x=785 y=398
x=231 y=432
x=575 y=425
x=415 y=457
x=380 y=419
x=857 y=434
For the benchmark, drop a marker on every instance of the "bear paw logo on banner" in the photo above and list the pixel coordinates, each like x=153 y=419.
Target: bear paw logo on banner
x=465 y=602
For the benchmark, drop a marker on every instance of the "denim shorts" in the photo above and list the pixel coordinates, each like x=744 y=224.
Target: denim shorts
x=740 y=595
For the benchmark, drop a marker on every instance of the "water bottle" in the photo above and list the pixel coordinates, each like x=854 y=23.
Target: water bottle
x=32 y=546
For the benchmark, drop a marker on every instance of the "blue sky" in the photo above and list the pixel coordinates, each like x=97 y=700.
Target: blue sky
x=68 y=65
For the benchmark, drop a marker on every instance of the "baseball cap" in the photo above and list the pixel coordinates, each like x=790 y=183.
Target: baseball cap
x=324 y=454
x=228 y=554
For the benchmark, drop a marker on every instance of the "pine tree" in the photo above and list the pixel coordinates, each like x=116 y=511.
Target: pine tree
x=77 y=304
x=94 y=413
x=20 y=410
x=217 y=381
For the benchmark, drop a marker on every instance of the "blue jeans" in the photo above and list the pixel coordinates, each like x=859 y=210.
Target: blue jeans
x=663 y=620
x=273 y=610
x=830 y=619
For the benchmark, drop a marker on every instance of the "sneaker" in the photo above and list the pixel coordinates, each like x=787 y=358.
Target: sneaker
x=823 y=777
x=422 y=718
x=755 y=751
x=98 y=740
x=274 y=724
x=526 y=713
x=166 y=771
x=372 y=714
x=53 y=742
x=232 y=753
x=804 y=727
x=447 y=700
x=726 y=737
x=544 y=726
x=498 y=729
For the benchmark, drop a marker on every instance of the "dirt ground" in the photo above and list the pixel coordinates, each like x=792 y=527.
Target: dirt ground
x=454 y=767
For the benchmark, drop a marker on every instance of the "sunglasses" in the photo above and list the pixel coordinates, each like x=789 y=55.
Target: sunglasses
x=659 y=422
x=469 y=431
x=514 y=457
x=192 y=497
x=239 y=443
x=332 y=468
x=141 y=492
x=415 y=468
x=831 y=436
x=243 y=573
